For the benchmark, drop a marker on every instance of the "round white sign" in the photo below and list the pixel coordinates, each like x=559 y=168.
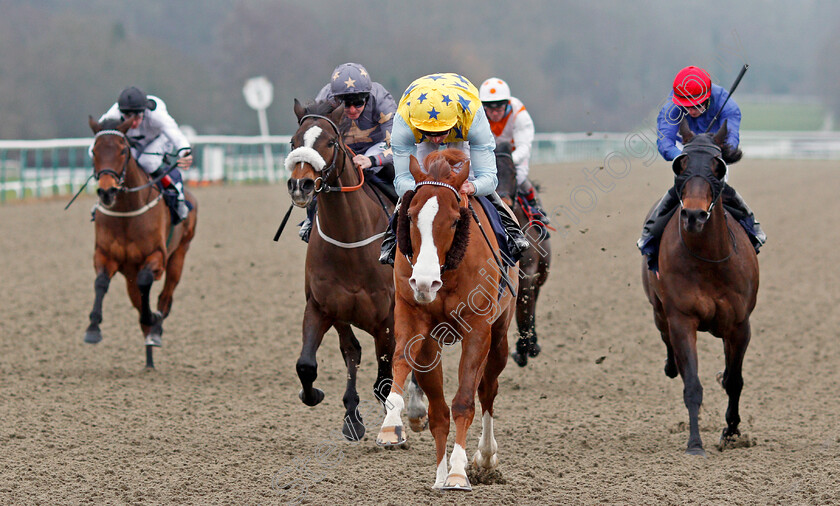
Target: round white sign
x=258 y=92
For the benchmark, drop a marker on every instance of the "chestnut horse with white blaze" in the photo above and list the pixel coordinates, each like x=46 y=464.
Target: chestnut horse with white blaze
x=708 y=280
x=134 y=234
x=344 y=282
x=449 y=288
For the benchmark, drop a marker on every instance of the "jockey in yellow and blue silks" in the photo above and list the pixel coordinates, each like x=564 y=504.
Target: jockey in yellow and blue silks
x=444 y=111
x=695 y=99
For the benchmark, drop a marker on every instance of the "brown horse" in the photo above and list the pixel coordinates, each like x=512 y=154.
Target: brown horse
x=535 y=261
x=345 y=284
x=134 y=234
x=449 y=289
x=708 y=280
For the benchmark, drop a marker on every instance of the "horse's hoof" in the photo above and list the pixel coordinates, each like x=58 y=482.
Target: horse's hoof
x=457 y=481
x=155 y=340
x=699 y=451
x=534 y=350
x=520 y=358
x=670 y=369
x=391 y=436
x=418 y=424
x=317 y=397
x=93 y=336
x=353 y=431
x=480 y=461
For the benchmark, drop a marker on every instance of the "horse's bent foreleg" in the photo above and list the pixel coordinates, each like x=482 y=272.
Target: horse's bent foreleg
x=525 y=321
x=351 y=350
x=734 y=346
x=174 y=267
x=315 y=324
x=662 y=326
x=683 y=336
x=93 y=334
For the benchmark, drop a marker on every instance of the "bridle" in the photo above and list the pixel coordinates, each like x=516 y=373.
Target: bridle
x=120 y=178
x=443 y=267
x=338 y=145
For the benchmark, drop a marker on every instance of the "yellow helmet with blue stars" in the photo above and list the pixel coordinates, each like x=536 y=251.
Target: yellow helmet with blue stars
x=436 y=103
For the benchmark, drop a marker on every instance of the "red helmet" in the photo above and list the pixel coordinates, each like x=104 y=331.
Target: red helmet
x=692 y=86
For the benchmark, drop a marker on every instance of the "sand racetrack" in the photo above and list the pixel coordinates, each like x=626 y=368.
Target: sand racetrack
x=219 y=421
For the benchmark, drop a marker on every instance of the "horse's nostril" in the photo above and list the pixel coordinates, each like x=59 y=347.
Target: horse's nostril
x=436 y=285
x=412 y=283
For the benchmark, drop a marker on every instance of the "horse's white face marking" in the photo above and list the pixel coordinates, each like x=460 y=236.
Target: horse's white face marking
x=306 y=153
x=425 y=277
x=311 y=136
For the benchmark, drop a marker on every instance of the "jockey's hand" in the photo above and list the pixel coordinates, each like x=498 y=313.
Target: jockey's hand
x=467 y=188
x=730 y=154
x=185 y=162
x=362 y=162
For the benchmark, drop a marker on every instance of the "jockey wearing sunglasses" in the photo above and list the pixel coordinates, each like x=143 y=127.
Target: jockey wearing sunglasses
x=695 y=99
x=366 y=126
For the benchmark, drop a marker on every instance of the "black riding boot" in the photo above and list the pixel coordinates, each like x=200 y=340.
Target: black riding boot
x=535 y=203
x=389 y=240
x=648 y=243
x=735 y=204
x=517 y=242
x=306 y=225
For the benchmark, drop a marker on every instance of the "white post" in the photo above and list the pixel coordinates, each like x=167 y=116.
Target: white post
x=269 y=161
x=258 y=93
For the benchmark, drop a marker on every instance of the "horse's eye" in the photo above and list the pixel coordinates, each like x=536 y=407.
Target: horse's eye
x=331 y=143
x=454 y=224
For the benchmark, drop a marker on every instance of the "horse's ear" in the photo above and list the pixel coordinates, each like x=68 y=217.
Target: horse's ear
x=462 y=174
x=720 y=135
x=685 y=131
x=94 y=125
x=416 y=172
x=125 y=125
x=337 y=113
x=299 y=110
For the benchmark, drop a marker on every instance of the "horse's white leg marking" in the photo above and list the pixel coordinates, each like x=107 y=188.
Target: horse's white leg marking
x=485 y=456
x=393 y=409
x=442 y=472
x=425 y=277
x=458 y=461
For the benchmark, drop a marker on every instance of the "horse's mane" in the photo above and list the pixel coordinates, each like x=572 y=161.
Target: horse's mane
x=321 y=107
x=504 y=147
x=439 y=164
x=110 y=124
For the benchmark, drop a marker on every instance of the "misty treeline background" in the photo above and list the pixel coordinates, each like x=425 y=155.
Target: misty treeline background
x=579 y=66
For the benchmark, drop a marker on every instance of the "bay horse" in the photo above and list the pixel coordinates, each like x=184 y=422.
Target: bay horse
x=134 y=234
x=344 y=282
x=708 y=280
x=448 y=290
x=535 y=261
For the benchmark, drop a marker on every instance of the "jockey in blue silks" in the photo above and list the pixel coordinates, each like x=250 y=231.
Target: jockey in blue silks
x=695 y=99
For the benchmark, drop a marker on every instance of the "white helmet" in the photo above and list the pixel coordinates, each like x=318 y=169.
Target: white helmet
x=494 y=90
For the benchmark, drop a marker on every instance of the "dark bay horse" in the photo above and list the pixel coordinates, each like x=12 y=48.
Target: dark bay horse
x=535 y=261
x=708 y=280
x=344 y=283
x=134 y=234
x=449 y=290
